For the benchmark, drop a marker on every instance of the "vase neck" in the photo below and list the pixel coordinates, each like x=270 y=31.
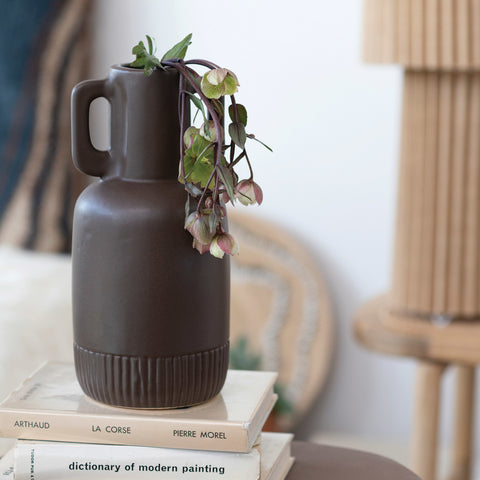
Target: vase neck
x=145 y=123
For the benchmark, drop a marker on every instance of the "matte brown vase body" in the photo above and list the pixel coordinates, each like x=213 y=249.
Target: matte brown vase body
x=151 y=315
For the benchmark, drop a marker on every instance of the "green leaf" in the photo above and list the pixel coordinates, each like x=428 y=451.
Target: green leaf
x=253 y=137
x=241 y=113
x=198 y=172
x=198 y=161
x=179 y=50
x=150 y=44
x=227 y=180
x=206 y=128
x=284 y=405
x=203 y=153
x=195 y=77
x=144 y=59
x=243 y=357
x=198 y=146
x=210 y=90
x=198 y=103
x=195 y=116
x=139 y=49
x=237 y=134
x=230 y=85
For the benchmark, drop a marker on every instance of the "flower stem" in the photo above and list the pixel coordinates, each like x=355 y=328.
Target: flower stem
x=180 y=66
x=249 y=164
x=243 y=154
x=203 y=63
x=182 y=125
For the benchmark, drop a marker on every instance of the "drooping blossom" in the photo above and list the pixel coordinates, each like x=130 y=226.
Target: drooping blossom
x=197 y=225
x=201 y=247
x=219 y=82
x=208 y=131
x=189 y=136
x=249 y=193
x=223 y=243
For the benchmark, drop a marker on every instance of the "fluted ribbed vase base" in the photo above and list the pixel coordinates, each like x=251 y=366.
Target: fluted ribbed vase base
x=151 y=382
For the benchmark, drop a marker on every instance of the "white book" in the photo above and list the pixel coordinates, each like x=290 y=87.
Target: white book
x=276 y=458
x=269 y=460
x=51 y=406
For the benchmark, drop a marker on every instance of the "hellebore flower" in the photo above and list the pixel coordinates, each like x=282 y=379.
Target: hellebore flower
x=201 y=247
x=209 y=202
x=189 y=136
x=208 y=132
x=223 y=243
x=198 y=226
x=249 y=193
x=225 y=198
x=219 y=82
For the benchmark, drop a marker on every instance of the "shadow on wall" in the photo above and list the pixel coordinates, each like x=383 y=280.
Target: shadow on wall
x=349 y=378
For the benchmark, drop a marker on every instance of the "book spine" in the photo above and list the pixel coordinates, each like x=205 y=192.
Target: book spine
x=6 y=466
x=47 y=460
x=124 y=430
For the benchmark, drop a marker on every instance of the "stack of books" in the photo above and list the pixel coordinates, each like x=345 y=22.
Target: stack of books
x=62 y=433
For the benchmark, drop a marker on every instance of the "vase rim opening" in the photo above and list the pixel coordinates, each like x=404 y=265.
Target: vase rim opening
x=125 y=67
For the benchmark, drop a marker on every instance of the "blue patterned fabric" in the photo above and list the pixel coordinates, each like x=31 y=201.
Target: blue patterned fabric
x=35 y=206
x=21 y=26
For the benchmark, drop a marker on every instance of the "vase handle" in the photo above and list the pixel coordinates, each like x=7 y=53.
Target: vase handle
x=86 y=157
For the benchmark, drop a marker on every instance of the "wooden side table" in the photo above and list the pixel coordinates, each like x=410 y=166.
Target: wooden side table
x=319 y=462
x=436 y=346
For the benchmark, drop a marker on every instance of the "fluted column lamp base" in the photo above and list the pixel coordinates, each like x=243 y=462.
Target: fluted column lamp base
x=437 y=252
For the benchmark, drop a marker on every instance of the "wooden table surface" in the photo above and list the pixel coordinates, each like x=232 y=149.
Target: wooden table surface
x=321 y=462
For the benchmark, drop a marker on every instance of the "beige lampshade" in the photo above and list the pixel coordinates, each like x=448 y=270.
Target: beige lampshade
x=423 y=34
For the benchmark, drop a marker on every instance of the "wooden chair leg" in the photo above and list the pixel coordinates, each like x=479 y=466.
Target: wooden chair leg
x=425 y=426
x=462 y=448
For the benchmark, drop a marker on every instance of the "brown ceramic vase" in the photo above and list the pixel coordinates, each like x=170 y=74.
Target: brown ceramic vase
x=150 y=314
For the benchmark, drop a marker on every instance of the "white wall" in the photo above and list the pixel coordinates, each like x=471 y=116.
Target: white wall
x=334 y=124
